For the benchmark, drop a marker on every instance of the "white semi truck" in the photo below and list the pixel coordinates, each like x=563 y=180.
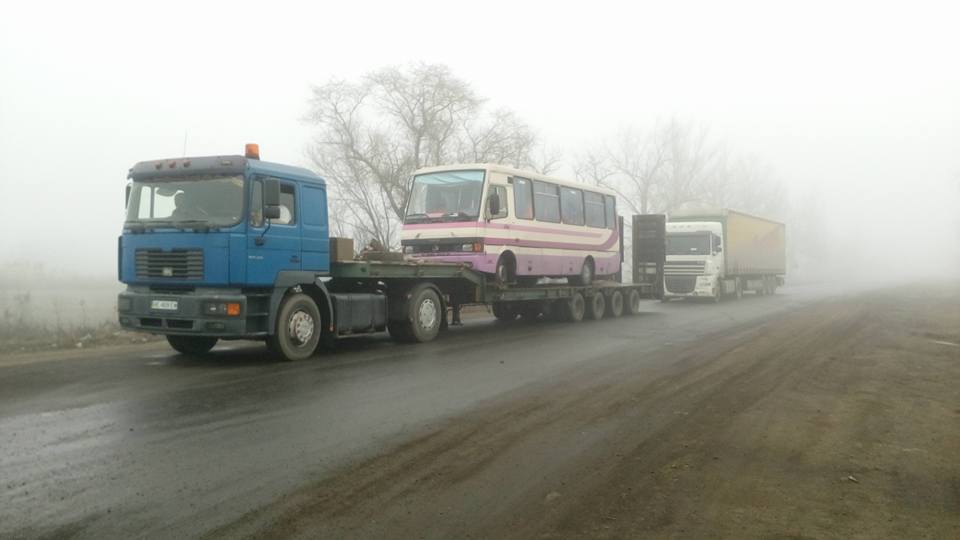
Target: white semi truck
x=717 y=252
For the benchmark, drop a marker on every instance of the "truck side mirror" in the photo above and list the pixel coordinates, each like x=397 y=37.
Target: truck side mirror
x=126 y=198
x=493 y=204
x=271 y=198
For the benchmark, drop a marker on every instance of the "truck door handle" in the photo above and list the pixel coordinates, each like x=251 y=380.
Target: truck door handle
x=294 y=258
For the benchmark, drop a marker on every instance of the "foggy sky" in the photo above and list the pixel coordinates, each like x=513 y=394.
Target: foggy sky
x=859 y=104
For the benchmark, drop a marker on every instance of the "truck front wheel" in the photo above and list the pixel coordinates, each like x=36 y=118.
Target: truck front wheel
x=192 y=345
x=298 y=328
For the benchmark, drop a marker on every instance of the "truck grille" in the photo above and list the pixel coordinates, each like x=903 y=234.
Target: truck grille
x=681 y=284
x=684 y=268
x=174 y=264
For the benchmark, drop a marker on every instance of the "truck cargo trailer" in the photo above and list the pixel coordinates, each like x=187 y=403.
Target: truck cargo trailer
x=717 y=252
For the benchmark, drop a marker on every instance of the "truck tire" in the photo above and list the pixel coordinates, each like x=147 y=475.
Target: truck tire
x=575 y=308
x=633 y=302
x=400 y=331
x=615 y=305
x=596 y=306
x=529 y=311
x=425 y=313
x=298 y=328
x=191 y=345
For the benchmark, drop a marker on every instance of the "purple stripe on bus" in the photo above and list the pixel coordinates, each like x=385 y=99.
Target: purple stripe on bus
x=534 y=265
x=614 y=238
x=503 y=226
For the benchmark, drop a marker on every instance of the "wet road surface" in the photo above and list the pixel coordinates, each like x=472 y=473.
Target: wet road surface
x=140 y=441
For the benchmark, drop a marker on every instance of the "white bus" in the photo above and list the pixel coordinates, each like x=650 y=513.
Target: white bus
x=517 y=225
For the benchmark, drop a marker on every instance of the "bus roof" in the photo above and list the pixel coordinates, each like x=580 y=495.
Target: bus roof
x=496 y=167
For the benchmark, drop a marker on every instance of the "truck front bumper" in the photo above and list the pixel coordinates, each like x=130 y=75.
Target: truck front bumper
x=703 y=287
x=187 y=313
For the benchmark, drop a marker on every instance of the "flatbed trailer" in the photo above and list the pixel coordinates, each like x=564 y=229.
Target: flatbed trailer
x=416 y=293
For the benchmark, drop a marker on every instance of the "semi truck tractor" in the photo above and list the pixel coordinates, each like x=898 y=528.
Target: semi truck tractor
x=232 y=247
x=717 y=252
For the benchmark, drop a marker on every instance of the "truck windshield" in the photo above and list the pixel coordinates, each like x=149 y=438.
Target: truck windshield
x=214 y=201
x=688 y=244
x=445 y=196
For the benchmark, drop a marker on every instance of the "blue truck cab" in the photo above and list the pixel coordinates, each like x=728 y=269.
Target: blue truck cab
x=212 y=246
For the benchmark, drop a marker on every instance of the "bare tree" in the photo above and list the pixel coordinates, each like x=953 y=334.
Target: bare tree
x=372 y=134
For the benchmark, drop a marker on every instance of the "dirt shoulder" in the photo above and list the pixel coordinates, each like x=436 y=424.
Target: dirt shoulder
x=839 y=420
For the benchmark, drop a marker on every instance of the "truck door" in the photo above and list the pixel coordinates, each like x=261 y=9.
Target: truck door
x=315 y=242
x=273 y=245
x=649 y=252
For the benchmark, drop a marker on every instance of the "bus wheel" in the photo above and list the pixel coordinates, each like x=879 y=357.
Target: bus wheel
x=425 y=313
x=596 y=306
x=586 y=273
x=575 y=308
x=615 y=305
x=633 y=302
x=191 y=345
x=506 y=271
x=298 y=328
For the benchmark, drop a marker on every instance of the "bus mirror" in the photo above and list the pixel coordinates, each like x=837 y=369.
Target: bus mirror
x=126 y=198
x=493 y=204
x=271 y=192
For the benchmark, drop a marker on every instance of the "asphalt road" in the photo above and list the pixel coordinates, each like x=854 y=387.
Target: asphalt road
x=138 y=441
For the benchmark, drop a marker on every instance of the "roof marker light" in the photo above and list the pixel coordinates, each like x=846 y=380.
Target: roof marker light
x=252 y=151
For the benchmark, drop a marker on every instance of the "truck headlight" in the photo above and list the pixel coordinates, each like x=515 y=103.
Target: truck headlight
x=230 y=309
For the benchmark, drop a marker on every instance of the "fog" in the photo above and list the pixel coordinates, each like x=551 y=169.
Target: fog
x=856 y=108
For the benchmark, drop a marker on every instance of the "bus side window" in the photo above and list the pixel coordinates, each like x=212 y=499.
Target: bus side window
x=546 y=202
x=571 y=205
x=522 y=198
x=593 y=203
x=611 y=210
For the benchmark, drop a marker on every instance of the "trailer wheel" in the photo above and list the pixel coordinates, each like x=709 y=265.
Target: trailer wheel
x=298 y=328
x=191 y=345
x=504 y=312
x=426 y=312
x=596 y=306
x=575 y=308
x=529 y=311
x=615 y=305
x=633 y=302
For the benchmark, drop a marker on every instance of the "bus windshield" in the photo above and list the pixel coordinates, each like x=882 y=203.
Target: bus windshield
x=445 y=196
x=688 y=244
x=209 y=200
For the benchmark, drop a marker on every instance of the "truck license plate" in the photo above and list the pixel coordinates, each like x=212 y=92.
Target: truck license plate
x=166 y=305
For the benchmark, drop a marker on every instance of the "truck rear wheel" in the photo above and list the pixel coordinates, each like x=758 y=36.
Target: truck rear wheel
x=191 y=345
x=575 y=308
x=615 y=305
x=298 y=328
x=633 y=302
x=596 y=306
